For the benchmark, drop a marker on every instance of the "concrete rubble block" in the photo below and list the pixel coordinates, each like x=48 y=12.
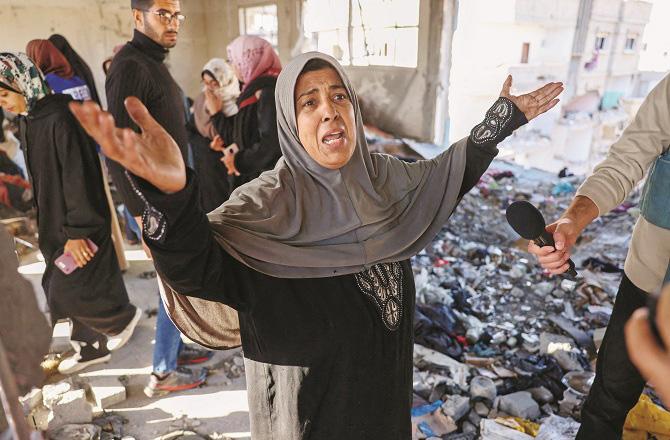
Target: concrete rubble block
x=541 y=395
x=468 y=428
x=544 y=288
x=550 y=343
x=76 y=431
x=557 y=428
x=53 y=393
x=425 y=357
x=71 y=408
x=483 y=387
x=38 y=419
x=520 y=404
x=567 y=360
x=571 y=401
x=60 y=340
x=481 y=409
x=490 y=430
x=474 y=418
x=32 y=400
x=106 y=391
x=456 y=406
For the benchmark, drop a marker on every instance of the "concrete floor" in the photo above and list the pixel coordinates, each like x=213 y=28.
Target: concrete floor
x=219 y=407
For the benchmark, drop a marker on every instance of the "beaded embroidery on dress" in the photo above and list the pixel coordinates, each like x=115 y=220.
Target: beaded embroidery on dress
x=383 y=283
x=496 y=119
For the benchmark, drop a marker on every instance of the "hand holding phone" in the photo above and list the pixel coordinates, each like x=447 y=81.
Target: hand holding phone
x=231 y=150
x=77 y=253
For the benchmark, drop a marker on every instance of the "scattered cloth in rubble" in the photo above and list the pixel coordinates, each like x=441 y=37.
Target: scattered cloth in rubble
x=565 y=173
x=595 y=263
x=76 y=432
x=434 y=327
x=491 y=430
x=519 y=424
x=648 y=417
x=563 y=187
x=530 y=330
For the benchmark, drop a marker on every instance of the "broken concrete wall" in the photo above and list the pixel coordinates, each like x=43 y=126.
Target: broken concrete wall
x=402 y=100
x=95 y=27
x=222 y=21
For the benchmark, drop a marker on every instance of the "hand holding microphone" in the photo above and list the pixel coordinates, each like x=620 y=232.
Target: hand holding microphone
x=551 y=244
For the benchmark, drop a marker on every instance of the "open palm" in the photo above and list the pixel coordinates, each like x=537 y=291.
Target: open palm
x=152 y=155
x=536 y=102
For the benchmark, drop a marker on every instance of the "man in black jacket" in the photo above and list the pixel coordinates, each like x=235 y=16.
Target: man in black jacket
x=139 y=70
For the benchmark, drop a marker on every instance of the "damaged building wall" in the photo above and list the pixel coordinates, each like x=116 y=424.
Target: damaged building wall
x=95 y=27
x=397 y=99
x=222 y=20
x=402 y=100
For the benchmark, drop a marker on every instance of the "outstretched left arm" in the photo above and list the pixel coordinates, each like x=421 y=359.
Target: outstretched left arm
x=507 y=114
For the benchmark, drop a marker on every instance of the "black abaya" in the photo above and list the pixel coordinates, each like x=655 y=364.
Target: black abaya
x=71 y=204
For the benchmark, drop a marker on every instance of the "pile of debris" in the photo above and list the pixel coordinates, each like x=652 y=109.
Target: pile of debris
x=81 y=406
x=75 y=408
x=502 y=350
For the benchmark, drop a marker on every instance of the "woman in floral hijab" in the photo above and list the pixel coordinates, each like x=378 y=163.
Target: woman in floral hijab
x=72 y=217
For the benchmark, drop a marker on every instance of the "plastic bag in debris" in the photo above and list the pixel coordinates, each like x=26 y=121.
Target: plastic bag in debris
x=562 y=188
x=647 y=417
x=557 y=428
x=430 y=421
x=519 y=424
x=490 y=430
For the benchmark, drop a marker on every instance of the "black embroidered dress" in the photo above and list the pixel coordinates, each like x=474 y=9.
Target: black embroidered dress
x=325 y=358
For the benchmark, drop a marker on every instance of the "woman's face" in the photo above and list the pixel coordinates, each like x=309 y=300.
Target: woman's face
x=12 y=101
x=211 y=83
x=325 y=117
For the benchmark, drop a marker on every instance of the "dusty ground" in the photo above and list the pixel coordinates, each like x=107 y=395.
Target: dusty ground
x=218 y=407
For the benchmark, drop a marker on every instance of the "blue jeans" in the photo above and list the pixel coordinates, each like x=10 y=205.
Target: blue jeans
x=168 y=342
x=132 y=228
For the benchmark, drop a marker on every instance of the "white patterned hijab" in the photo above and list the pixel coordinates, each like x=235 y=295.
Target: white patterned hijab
x=20 y=75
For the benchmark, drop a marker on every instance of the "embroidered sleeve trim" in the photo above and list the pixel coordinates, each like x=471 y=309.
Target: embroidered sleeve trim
x=495 y=121
x=154 y=223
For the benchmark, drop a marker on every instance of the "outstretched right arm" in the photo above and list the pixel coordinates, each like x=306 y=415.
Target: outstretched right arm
x=176 y=229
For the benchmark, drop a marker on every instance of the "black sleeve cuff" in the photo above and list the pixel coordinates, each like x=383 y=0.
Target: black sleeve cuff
x=500 y=121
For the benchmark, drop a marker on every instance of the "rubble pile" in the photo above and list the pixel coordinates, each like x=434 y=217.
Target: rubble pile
x=502 y=350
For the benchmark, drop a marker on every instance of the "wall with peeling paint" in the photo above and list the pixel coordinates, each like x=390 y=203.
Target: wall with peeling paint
x=95 y=27
x=400 y=100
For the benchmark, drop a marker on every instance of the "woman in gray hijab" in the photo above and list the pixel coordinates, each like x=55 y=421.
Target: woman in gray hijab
x=312 y=256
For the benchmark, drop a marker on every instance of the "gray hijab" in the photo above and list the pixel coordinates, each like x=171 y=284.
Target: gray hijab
x=301 y=220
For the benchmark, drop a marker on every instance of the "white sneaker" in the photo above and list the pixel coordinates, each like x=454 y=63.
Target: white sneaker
x=118 y=341
x=76 y=362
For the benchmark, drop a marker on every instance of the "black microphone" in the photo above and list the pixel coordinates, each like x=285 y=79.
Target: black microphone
x=529 y=223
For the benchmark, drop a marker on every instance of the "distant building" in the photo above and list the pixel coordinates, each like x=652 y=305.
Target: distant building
x=593 y=46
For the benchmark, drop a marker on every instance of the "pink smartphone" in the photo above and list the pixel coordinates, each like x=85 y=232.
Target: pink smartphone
x=233 y=149
x=66 y=262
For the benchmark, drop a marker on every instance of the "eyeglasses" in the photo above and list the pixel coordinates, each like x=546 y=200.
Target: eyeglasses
x=167 y=18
